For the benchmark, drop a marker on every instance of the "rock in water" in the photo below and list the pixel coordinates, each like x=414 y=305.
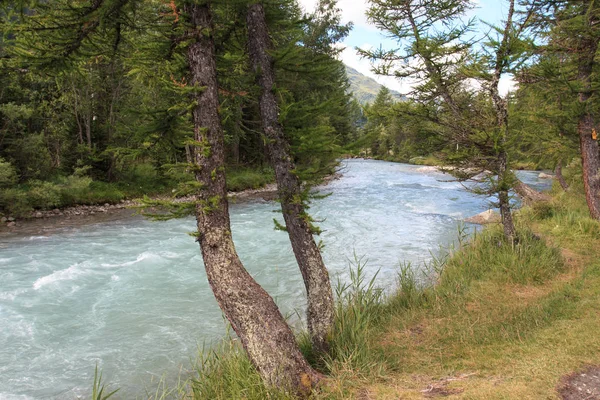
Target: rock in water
x=543 y=175
x=486 y=217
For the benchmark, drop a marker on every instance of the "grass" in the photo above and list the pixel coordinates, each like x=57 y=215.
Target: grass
x=487 y=321
x=242 y=178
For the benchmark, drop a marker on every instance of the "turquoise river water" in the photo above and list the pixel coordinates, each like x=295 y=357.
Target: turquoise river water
x=132 y=297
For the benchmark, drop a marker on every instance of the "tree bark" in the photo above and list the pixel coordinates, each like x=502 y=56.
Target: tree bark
x=264 y=333
x=502 y=121
x=591 y=164
x=528 y=194
x=508 y=224
x=559 y=176
x=316 y=278
x=590 y=155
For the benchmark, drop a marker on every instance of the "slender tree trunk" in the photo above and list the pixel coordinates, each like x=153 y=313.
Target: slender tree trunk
x=76 y=111
x=308 y=256
x=508 y=224
x=559 y=176
x=264 y=333
x=590 y=155
x=504 y=174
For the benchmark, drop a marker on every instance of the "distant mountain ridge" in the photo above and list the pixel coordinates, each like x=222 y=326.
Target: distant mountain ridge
x=365 y=89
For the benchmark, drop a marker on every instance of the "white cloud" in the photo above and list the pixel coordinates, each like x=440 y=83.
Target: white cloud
x=507 y=84
x=352 y=10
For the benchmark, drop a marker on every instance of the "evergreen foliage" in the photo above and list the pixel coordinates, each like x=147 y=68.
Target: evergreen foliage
x=103 y=86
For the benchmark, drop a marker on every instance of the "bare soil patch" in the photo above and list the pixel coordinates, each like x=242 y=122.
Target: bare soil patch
x=582 y=385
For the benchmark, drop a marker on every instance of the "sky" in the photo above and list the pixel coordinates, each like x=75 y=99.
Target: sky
x=365 y=35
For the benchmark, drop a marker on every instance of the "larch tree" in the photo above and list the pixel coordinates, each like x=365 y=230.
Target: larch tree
x=439 y=54
x=574 y=34
x=64 y=32
x=253 y=314
x=320 y=310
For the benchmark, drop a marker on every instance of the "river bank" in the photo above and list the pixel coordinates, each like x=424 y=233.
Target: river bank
x=48 y=220
x=500 y=321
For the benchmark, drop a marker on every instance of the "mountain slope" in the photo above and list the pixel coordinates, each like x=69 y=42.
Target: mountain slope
x=365 y=89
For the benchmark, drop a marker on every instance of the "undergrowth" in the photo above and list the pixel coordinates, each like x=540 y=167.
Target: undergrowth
x=79 y=189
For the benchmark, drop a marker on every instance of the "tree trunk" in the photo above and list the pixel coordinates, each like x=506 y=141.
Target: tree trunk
x=315 y=275
x=501 y=107
x=264 y=333
x=528 y=194
x=504 y=200
x=559 y=176
x=590 y=155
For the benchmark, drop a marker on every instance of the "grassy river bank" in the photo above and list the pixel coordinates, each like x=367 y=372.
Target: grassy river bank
x=487 y=321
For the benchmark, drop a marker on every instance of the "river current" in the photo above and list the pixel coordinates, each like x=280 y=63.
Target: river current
x=132 y=297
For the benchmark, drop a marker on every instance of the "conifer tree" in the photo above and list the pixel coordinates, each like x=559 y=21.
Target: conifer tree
x=316 y=278
x=438 y=54
x=573 y=32
x=62 y=34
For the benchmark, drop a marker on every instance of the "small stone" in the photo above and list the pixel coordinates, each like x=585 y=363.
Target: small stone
x=106 y=205
x=3 y=219
x=92 y=213
x=543 y=175
x=10 y=219
x=39 y=215
x=11 y=224
x=56 y=211
x=486 y=217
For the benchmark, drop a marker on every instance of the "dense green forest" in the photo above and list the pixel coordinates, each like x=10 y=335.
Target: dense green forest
x=108 y=118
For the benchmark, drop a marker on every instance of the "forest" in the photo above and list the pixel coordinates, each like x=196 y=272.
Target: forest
x=94 y=118
x=107 y=100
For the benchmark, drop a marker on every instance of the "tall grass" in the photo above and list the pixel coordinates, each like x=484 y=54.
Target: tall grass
x=359 y=307
x=99 y=388
x=225 y=372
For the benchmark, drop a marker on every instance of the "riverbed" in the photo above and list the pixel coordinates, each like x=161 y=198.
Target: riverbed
x=131 y=295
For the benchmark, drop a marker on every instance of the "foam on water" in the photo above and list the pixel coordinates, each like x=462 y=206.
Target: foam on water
x=11 y=295
x=66 y=274
x=147 y=255
x=139 y=305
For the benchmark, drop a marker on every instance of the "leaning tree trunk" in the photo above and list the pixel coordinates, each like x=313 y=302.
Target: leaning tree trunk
x=559 y=176
x=308 y=256
x=528 y=194
x=264 y=333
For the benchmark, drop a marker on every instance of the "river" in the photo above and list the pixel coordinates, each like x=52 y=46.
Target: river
x=131 y=295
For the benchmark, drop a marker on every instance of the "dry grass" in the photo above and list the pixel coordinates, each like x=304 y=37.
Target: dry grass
x=496 y=338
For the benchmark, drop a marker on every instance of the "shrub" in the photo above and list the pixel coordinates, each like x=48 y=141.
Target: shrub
x=245 y=178
x=43 y=195
x=14 y=202
x=8 y=174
